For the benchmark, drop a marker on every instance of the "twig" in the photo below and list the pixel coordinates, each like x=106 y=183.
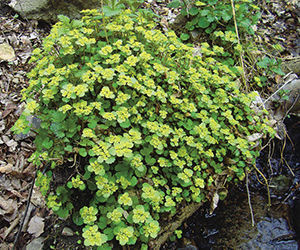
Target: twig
x=259 y=179
x=267 y=144
x=287 y=135
x=282 y=157
x=269 y=160
x=276 y=92
x=26 y=210
x=11 y=227
x=239 y=43
x=266 y=181
x=282 y=150
x=249 y=200
x=292 y=58
x=286 y=163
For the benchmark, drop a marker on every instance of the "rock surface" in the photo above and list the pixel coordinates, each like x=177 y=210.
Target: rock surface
x=36 y=244
x=291 y=104
x=48 y=10
x=292 y=65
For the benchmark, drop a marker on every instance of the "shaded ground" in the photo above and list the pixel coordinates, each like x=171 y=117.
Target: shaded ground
x=16 y=173
x=280 y=24
x=277 y=227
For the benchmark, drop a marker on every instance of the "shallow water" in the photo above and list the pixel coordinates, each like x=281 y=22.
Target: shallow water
x=230 y=226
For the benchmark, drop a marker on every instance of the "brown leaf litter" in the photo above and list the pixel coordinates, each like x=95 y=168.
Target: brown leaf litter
x=17 y=40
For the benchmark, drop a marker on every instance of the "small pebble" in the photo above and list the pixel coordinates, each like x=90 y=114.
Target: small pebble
x=36 y=244
x=67 y=231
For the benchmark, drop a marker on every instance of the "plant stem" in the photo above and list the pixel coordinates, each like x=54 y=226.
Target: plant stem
x=239 y=43
x=103 y=20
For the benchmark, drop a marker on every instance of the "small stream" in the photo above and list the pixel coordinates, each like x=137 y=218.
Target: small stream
x=276 y=227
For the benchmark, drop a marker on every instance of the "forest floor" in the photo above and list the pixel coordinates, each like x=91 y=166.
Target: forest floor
x=279 y=24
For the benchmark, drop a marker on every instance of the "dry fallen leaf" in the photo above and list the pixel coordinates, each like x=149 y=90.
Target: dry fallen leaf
x=8 y=205
x=36 y=226
x=9 y=107
x=37 y=198
x=254 y=137
x=214 y=202
x=7 y=53
x=6 y=169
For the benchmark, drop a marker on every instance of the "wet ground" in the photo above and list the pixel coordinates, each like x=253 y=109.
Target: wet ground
x=275 y=227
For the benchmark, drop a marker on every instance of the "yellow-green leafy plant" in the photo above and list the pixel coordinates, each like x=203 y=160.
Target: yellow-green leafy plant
x=148 y=123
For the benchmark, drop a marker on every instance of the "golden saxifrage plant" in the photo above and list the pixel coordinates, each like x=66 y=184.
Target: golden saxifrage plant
x=154 y=123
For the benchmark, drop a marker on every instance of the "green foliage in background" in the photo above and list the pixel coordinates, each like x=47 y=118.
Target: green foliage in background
x=213 y=21
x=152 y=123
x=215 y=15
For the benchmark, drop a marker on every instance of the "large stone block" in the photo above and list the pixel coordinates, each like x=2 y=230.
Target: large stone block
x=48 y=10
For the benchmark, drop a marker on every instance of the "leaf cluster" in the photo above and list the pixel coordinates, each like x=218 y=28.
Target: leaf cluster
x=214 y=15
x=154 y=123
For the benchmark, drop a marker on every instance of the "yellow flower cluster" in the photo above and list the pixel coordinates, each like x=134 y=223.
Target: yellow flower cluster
x=131 y=61
x=144 y=56
x=123 y=181
x=160 y=68
x=82 y=108
x=123 y=148
x=101 y=150
x=109 y=116
x=81 y=89
x=126 y=50
x=106 y=50
x=88 y=214
x=124 y=80
x=113 y=27
x=135 y=136
x=105 y=187
x=169 y=202
x=97 y=168
x=121 y=98
x=83 y=41
x=125 y=200
x=113 y=59
x=115 y=215
x=32 y=106
x=151 y=229
x=122 y=114
x=68 y=90
x=139 y=214
x=20 y=125
x=76 y=182
x=49 y=93
x=65 y=108
x=88 y=133
x=107 y=93
x=124 y=235
x=108 y=74
x=157 y=142
x=153 y=195
x=93 y=237
x=137 y=162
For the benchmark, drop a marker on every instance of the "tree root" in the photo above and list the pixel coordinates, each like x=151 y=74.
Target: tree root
x=168 y=229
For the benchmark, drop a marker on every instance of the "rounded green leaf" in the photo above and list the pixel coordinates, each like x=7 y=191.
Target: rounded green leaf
x=184 y=36
x=203 y=22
